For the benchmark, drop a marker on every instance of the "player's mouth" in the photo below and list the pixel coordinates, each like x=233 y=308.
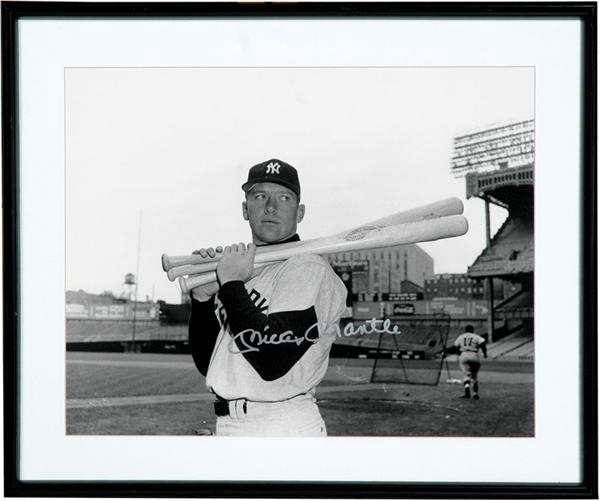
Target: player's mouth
x=269 y=221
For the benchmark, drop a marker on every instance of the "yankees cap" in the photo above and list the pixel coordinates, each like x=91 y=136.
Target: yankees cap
x=273 y=171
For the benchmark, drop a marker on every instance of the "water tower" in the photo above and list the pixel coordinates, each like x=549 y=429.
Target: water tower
x=129 y=286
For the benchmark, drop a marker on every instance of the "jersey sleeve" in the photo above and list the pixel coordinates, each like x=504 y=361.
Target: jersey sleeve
x=304 y=305
x=309 y=281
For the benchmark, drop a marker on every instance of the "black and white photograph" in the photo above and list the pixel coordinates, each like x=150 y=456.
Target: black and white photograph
x=372 y=235
x=304 y=249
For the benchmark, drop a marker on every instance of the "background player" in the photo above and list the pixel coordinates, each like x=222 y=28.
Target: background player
x=469 y=345
x=263 y=342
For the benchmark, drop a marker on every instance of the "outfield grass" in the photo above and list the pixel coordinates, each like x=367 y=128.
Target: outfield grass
x=136 y=394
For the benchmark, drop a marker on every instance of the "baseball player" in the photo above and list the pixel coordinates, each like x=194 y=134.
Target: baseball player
x=263 y=343
x=469 y=345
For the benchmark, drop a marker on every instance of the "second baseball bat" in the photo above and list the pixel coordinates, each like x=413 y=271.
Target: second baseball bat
x=446 y=207
x=365 y=237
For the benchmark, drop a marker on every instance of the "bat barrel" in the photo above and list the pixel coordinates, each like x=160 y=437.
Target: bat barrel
x=446 y=207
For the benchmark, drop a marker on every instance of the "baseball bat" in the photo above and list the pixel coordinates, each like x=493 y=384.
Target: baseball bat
x=205 y=266
x=446 y=207
x=362 y=238
x=285 y=251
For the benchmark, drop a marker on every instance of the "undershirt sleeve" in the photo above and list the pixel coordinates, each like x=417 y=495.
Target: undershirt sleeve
x=203 y=329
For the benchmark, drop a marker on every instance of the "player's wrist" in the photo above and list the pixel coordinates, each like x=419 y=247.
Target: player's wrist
x=226 y=278
x=200 y=296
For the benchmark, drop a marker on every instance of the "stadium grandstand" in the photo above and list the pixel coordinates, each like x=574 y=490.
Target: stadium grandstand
x=104 y=322
x=498 y=165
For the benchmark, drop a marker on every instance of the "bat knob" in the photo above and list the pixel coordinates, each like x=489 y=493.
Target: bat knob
x=165 y=262
x=183 y=285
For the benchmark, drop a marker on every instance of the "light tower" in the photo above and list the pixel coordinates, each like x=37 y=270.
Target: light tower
x=498 y=165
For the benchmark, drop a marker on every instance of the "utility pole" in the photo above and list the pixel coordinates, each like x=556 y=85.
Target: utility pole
x=489 y=280
x=137 y=283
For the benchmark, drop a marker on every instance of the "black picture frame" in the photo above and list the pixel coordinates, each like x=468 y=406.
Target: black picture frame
x=12 y=12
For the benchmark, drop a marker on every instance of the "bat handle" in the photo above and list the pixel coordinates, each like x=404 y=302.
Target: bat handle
x=165 y=262
x=200 y=269
x=188 y=283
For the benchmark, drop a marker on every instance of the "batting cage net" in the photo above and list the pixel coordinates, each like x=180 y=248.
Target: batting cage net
x=410 y=350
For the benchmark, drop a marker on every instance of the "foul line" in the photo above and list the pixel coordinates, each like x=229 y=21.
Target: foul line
x=181 y=364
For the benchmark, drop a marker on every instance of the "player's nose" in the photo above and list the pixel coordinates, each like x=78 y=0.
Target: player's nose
x=271 y=205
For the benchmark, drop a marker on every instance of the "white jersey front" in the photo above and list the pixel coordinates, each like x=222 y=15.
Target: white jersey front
x=297 y=284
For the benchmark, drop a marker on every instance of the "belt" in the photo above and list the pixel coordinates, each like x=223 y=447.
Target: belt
x=222 y=407
x=240 y=406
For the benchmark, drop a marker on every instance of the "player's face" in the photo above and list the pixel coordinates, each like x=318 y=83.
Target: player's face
x=273 y=212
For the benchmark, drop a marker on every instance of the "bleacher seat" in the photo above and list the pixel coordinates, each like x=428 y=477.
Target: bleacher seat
x=510 y=252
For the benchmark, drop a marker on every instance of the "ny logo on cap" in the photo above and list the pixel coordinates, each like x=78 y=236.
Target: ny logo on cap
x=273 y=168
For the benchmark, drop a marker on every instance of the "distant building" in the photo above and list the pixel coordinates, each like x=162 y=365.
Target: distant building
x=83 y=297
x=382 y=270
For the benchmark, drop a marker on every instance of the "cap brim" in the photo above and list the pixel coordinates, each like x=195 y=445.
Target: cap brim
x=251 y=184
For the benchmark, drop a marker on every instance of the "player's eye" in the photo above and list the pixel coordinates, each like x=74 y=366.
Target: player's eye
x=259 y=196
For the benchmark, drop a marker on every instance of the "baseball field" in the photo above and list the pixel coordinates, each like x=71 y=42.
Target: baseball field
x=163 y=394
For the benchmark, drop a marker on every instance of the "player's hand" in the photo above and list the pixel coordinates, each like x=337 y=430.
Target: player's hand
x=205 y=292
x=237 y=263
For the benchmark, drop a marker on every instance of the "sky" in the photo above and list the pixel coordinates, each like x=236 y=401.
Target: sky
x=158 y=156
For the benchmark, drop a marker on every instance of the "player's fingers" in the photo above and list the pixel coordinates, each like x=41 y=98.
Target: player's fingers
x=242 y=247
x=251 y=251
x=227 y=249
x=202 y=252
x=234 y=247
x=211 y=252
x=219 y=249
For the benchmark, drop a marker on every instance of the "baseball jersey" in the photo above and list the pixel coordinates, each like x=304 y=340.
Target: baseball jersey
x=469 y=341
x=276 y=331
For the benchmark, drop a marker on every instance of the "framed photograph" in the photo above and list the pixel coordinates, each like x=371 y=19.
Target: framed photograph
x=321 y=250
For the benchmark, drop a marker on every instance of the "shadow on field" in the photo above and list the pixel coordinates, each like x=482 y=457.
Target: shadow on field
x=415 y=411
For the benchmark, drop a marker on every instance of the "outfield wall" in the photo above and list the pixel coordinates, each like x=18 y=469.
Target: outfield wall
x=90 y=331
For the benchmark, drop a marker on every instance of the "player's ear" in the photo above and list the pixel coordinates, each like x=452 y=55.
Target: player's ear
x=300 y=214
x=244 y=211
